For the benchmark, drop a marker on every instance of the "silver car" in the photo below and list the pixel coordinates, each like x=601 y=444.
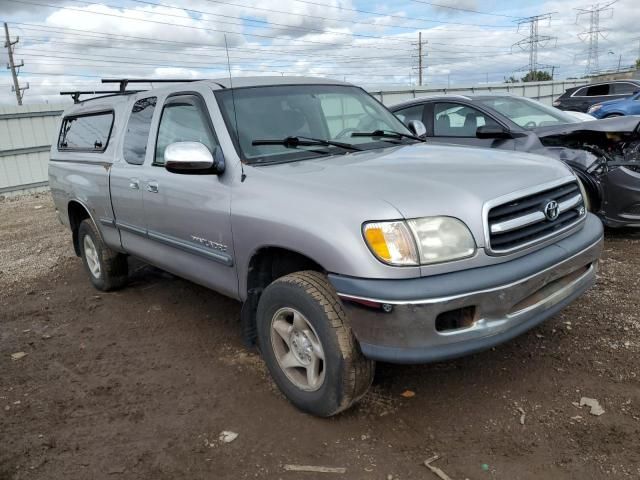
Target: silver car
x=346 y=237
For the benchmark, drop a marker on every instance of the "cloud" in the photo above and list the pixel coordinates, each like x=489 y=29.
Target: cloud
x=307 y=40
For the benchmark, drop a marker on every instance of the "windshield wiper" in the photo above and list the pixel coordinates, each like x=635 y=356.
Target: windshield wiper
x=387 y=134
x=295 y=142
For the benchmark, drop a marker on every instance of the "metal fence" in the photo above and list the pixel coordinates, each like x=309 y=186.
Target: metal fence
x=26 y=132
x=25 y=139
x=544 y=92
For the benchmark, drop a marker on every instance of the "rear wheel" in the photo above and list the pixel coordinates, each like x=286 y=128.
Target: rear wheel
x=612 y=115
x=107 y=269
x=307 y=344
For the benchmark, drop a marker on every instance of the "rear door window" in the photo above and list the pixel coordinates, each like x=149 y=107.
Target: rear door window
x=599 y=90
x=137 y=134
x=88 y=133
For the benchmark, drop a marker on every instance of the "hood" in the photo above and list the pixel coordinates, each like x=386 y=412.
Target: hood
x=628 y=124
x=418 y=180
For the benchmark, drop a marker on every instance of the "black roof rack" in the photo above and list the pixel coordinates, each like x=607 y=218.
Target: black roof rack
x=75 y=94
x=124 y=82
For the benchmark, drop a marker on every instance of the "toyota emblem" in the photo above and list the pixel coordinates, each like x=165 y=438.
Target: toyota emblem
x=551 y=210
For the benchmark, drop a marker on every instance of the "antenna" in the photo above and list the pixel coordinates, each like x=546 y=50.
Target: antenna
x=233 y=102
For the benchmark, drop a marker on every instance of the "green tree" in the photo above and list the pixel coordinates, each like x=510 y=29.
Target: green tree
x=638 y=64
x=537 y=76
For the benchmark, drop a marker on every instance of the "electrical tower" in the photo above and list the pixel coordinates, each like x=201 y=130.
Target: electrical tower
x=422 y=52
x=594 y=33
x=12 y=65
x=533 y=41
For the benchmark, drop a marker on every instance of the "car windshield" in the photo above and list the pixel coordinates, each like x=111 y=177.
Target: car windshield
x=324 y=112
x=528 y=113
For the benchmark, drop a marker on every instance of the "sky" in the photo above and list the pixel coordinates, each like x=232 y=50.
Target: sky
x=72 y=44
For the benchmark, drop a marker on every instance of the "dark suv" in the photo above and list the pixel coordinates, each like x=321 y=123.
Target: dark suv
x=579 y=99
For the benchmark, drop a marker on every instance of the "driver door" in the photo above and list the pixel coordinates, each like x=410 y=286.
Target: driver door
x=188 y=217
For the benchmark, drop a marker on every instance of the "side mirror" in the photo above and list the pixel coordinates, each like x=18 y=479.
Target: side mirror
x=417 y=128
x=493 y=131
x=193 y=158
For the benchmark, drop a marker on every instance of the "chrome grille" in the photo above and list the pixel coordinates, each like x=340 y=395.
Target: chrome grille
x=533 y=218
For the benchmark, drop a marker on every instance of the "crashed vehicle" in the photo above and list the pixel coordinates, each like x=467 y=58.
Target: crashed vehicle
x=604 y=154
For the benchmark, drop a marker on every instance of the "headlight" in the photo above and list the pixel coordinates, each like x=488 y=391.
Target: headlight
x=420 y=241
x=595 y=108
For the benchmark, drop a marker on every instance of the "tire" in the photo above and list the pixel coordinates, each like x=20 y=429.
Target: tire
x=107 y=269
x=344 y=374
x=614 y=115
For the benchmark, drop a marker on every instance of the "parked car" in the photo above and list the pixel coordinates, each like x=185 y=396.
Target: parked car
x=605 y=154
x=346 y=237
x=617 y=108
x=580 y=99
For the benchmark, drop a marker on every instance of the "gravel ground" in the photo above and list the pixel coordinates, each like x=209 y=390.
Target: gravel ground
x=140 y=383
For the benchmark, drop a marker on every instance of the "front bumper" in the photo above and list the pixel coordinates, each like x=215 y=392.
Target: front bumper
x=398 y=320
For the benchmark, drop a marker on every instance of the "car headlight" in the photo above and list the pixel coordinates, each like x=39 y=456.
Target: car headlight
x=419 y=241
x=594 y=108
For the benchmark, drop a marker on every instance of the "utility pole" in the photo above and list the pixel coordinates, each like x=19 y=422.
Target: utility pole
x=533 y=41
x=12 y=66
x=421 y=54
x=594 y=33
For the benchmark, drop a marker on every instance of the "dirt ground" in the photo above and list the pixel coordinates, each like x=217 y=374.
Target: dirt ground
x=140 y=383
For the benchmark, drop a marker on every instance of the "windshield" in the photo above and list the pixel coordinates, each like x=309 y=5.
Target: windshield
x=528 y=113
x=326 y=112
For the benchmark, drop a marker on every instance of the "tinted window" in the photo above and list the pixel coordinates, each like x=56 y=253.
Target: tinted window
x=625 y=88
x=86 y=132
x=135 y=139
x=410 y=113
x=183 y=121
x=582 y=92
x=455 y=120
x=598 y=90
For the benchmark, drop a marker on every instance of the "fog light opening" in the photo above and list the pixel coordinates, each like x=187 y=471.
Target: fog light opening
x=455 y=319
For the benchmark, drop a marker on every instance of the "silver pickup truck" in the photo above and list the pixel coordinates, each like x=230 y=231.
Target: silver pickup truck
x=347 y=239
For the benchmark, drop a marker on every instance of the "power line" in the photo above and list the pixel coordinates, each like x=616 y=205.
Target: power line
x=242 y=19
x=460 y=9
x=193 y=27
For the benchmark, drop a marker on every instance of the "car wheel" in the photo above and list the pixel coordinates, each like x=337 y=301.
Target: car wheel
x=107 y=269
x=612 y=115
x=307 y=344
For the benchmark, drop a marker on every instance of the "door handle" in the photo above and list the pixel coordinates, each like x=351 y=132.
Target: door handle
x=134 y=183
x=152 y=187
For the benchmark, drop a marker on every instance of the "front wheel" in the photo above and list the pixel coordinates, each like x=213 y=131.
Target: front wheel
x=307 y=344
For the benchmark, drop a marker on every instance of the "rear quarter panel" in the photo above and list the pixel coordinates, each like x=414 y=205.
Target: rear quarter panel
x=83 y=177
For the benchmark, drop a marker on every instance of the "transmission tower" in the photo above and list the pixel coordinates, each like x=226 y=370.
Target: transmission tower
x=594 y=33
x=422 y=52
x=533 y=41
